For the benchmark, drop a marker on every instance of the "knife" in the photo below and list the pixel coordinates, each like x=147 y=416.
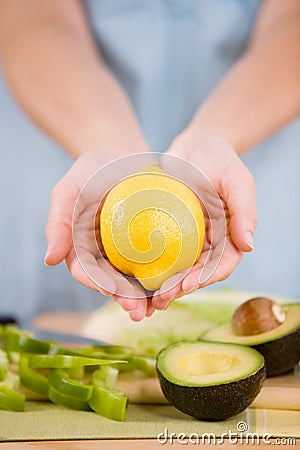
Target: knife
x=49 y=335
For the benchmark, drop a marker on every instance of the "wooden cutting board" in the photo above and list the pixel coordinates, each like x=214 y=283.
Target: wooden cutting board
x=281 y=392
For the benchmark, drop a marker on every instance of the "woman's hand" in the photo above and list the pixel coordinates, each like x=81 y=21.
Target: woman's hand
x=72 y=230
x=228 y=192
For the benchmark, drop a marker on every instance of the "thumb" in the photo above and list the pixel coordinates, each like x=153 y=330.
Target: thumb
x=59 y=224
x=239 y=193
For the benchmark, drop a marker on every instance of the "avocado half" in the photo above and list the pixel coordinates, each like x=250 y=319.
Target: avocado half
x=280 y=346
x=210 y=381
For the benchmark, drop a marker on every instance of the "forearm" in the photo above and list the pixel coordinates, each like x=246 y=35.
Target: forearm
x=262 y=91
x=56 y=73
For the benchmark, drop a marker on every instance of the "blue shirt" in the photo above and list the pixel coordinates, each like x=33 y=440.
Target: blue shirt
x=168 y=55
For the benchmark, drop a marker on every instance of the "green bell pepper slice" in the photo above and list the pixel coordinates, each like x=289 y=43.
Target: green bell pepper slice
x=16 y=340
x=109 y=403
x=70 y=402
x=31 y=379
x=11 y=400
x=3 y=365
x=11 y=380
x=65 y=361
x=64 y=384
x=142 y=363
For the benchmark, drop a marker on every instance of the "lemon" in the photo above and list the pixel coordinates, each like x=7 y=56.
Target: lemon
x=152 y=226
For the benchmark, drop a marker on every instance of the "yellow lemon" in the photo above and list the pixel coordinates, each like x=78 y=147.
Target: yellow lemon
x=152 y=226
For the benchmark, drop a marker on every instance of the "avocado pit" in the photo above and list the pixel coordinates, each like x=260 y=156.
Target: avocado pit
x=257 y=315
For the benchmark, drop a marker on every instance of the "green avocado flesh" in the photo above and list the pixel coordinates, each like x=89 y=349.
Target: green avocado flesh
x=210 y=381
x=224 y=333
x=280 y=346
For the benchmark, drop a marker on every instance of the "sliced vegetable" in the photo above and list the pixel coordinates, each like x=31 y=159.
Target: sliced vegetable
x=16 y=340
x=32 y=379
x=108 y=375
x=3 y=365
x=11 y=400
x=62 y=382
x=11 y=380
x=107 y=402
x=109 y=350
x=65 y=361
x=70 y=402
x=143 y=363
x=76 y=372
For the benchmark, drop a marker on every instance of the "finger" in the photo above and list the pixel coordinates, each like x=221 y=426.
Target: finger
x=238 y=191
x=140 y=311
x=84 y=273
x=59 y=224
x=126 y=303
x=168 y=291
x=150 y=308
x=217 y=269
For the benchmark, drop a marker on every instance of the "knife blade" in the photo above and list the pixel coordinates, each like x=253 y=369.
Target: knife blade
x=49 y=335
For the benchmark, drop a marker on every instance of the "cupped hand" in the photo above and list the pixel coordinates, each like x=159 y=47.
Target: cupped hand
x=72 y=230
x=211 y=167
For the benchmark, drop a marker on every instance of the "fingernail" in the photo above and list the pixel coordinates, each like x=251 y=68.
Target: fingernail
x=166 y=306
x=188 y=290
x=249 y=238
x=46 y=257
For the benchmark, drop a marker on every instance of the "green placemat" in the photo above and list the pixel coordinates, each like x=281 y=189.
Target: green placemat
x=46 y=421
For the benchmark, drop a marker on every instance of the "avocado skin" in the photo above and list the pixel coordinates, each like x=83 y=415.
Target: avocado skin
x=213 y=403
x=281 y=355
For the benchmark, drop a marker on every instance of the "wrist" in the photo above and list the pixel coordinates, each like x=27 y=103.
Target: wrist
x=200 y=129
x=121 y=140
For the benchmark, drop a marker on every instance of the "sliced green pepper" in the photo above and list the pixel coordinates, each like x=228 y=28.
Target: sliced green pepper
x=11 y=400
x=70 y=402
x=3 y=365
x=77 y=372
x=11 y=380
x=143 y=363
x=65 y=361
x=107 y=402
x=62 y=382
x=31 y=379
x=108 y=375
x=115 y=351
x=16 y=340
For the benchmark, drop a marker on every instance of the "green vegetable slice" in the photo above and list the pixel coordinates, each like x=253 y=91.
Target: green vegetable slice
x=3 y=365
x=70 y=402
x=110 y=403
x=31 y=379
x=65 y=361
x=107 y=375
x=11 y=380
x=109 y=350
x=62 y=382
x=11 y=400
x=143 y=363
x=16 y=340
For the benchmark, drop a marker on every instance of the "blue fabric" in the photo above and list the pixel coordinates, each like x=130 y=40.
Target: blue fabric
x=168 y=55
